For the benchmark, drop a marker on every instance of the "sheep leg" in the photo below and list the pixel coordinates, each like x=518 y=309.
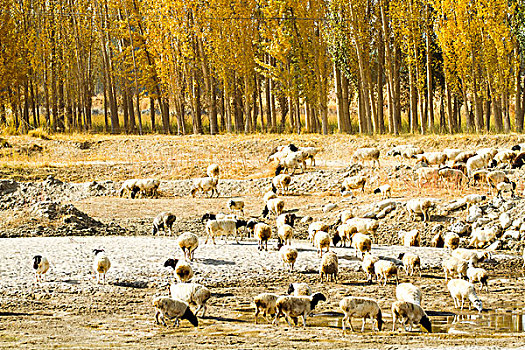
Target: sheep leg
x=304 y=319
x=394 y=320
x=462 y=302
x=363 y=326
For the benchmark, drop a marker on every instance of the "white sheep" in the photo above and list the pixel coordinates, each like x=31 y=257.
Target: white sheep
x=503 y=187
x=482 y=236
x=345 y=215
x=478 y=274
x=41 y=266
x=281 y=182
x=101 y=264
x=474 y=199
x=263 y=233
x=274 y=206
x=269 y=195
x=213 y=171
x=503 y=156
x=286 y=219
x=361 y=243
x=419 y=206
x=322 y=240
x=409 y=238
x=293 y=160
x=409 y=314
x=288 y=256
x=285 y=233
x=329 y=266
x=183 y=270
x=488 y=152
x=192 y=293
x=310 y=153
x=432 y=158
x=166 y=307
x=384 y=269
x=410 y=152
x=454 y=266
x=369 y=153
x=343 y=233
x=460 y=290
x=314 y=227
x=353 y=182
x=411 y=262
x=454 y=176
x=363 y=225
x=291 y=307
x=464 y=156
x=452 y=153
x=471 y=255
x=265 y=303
x=129 y=186
x=205 y=184
x=216 y=227
x=427 y=174
x=385 y=190
x=408 y=292
x=368 y=264
x=451 y=240
x=475 y=163
x=164 y=221
x=298 y=289
x=361 y=307
x=236 y=204
x=188 y=242
x=148 y=186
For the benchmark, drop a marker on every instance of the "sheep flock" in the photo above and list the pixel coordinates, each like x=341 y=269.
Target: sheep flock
x=461 y=211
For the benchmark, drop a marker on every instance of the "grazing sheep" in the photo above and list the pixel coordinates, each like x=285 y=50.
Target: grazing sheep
x=475 y=163
x=519 y=161
x=361 y=243
x=475 y=256
x=329 y=267
x=345 y=215
x=463 y=157
x=274 y=206
x=477 y=274
x=408 y=292
x=310 y=153
x=461 y=289
x=148 y=186
x=281 y=182
x=461 y=167
x=384 y=269
x=503 y=187
x=265 y=303
x=236 y=204
x=173 y=309
x=322 y=240
x=451 y=240
x=479 y=176
x=353 y=182
x=456 y=177
x=192 y=293
x=286 y=219
x=314 y=227
x=101 y=264
x=503 y=156
x=293 y=161
x=129 y=186
x=216 y=227
x=298 y=289
x=164 y=221
x=361 y=307
x=285 y=233
x=369 y=153
x=41 y=266
x=183 y=271
x=482 y=236
x=363 y=225
x=432 y=158
x=409 y=314
x=343 y=233
x=488 y=153
x=288 y=256
x=409 y=238
x=453 y=266
x=385 y=190
x=263 y=232
x=427 y=174
x=368 y=265
x=452 y=153
x=496 y=177
x=410 y=152
x=188 y=242
x=213 y=171
x=410 y=263
x=419 y=206
x=220 y=216
x=518 y=147
x=205 y=184
x=291 y=307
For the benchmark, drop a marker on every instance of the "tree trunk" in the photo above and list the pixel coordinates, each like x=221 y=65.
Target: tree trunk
x=380 y=84
x=152 y=113
x=451 y=122
x=413 y=99
x=520 y=113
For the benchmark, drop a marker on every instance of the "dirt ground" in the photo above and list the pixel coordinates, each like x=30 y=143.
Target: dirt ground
x=70 y=311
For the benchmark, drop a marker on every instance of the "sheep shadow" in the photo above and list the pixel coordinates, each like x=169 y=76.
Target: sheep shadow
x=209 y=261
x=359 y=284
x=439 y=313
x=349 y=258
x=12 y=314
x=131 y=284
x=222 y=295
x=224 y=319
